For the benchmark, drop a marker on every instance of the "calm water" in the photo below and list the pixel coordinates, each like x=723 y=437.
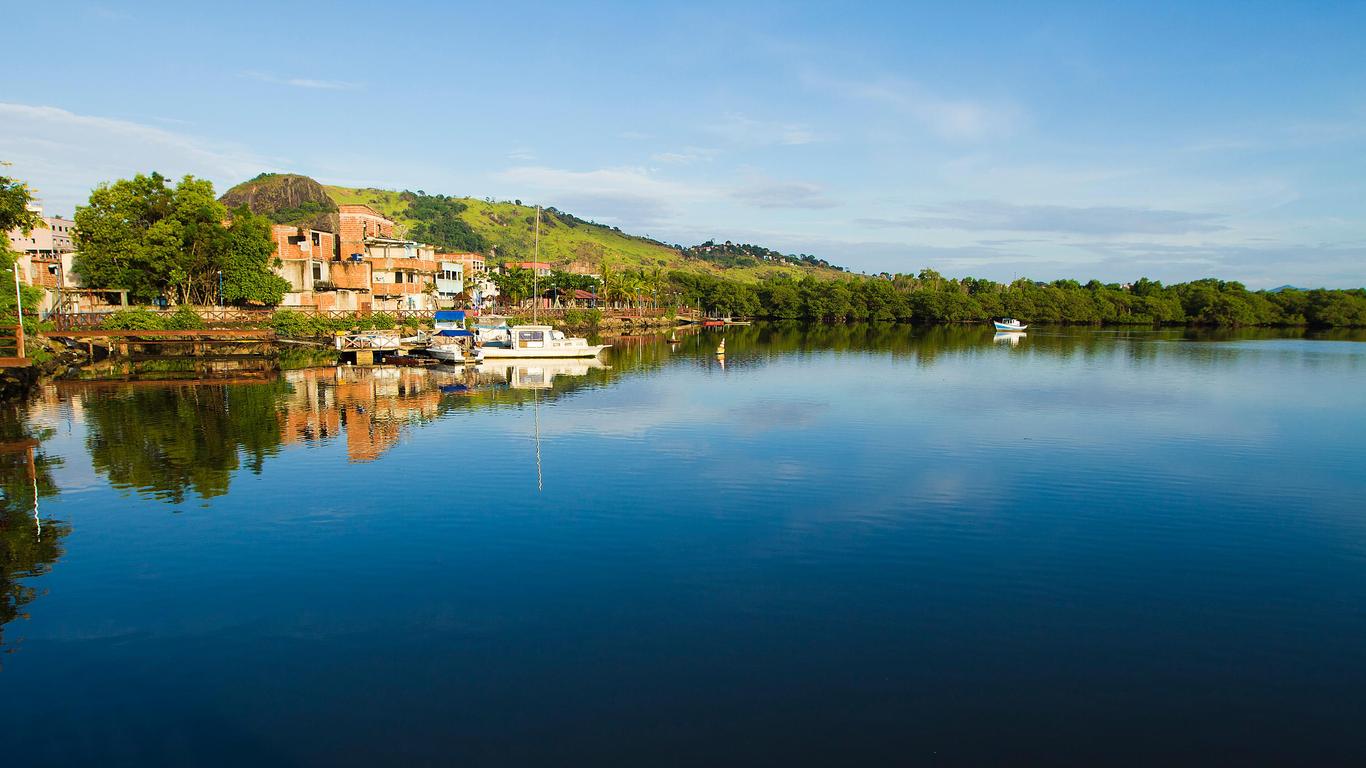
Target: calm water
x=848 y=545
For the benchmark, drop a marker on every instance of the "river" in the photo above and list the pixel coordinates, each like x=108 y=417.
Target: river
x=840 y=545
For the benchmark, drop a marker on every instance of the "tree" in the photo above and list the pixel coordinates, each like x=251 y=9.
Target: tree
x=247 y=262
x=15 y=199
x=515 y=284
x=163 y=242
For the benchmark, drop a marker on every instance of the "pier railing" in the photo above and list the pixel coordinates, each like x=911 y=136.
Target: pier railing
x=230 y=316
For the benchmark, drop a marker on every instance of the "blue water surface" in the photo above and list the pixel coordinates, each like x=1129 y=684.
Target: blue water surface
x=838 y=545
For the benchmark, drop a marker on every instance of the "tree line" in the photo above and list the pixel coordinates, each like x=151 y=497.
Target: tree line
x=929 y=297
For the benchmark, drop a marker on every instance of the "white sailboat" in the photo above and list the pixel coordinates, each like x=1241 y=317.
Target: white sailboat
x=536 y=341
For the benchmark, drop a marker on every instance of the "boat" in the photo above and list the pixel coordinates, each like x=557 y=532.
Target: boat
x=1009 y=324
x=713 y=322
x=540 y=341
x=492 y=329
x=501 y=342
x=451 y=343
x=409 y=361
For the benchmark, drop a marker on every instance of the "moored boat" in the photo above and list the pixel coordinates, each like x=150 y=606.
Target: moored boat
x=1009 y=324
x=533 y=341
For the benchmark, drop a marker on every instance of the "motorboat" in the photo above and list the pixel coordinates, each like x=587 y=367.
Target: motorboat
x=1009 y=324
x=540 y=341
x=451 y=343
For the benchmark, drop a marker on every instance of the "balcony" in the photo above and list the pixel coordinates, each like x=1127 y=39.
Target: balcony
x=396 y=289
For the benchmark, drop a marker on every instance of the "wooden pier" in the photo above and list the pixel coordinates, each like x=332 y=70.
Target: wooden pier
x=119 y=343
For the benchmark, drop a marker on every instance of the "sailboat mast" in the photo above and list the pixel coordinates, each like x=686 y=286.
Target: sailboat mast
x=535 y=268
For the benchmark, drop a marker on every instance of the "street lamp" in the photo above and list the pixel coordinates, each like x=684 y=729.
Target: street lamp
x=220 y=287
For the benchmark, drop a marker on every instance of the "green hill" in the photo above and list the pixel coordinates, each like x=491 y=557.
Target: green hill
x=508 y=228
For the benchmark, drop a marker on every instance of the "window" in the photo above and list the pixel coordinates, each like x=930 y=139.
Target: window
x=316 y=239
x=317 y=269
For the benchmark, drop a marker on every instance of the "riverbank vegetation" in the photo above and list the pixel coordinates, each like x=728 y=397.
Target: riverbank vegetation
x=928 y=297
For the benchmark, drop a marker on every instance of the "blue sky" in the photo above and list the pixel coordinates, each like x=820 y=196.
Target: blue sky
x=997 y=140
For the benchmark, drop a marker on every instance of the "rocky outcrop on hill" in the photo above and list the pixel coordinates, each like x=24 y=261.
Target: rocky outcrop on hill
x=286 y=198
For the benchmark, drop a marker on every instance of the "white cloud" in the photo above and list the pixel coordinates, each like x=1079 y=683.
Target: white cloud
x=623 y=196
x=739 y=129
x=950 y=118
x=784 y=194
x=991 y=215
x=303 y=82
x=64 y=155
x=685 y=156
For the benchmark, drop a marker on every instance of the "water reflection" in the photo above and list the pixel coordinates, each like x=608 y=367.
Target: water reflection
x=368 y=407
x=29 y=545
x=169 y=439
x=833 y=476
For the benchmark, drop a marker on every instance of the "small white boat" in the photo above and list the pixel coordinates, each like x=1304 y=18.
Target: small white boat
x=540 y=341
x=451 y=343
x=446 y=352
x=1009 y=324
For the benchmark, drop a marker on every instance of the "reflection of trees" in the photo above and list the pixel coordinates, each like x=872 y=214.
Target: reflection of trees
x=26 y=548
x=165 y=440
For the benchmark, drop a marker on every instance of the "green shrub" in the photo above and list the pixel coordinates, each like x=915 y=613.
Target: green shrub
x=134 y=319
x=185 y=318
x=582 y=318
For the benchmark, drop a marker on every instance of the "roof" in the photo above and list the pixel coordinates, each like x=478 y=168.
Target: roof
x=580 y=293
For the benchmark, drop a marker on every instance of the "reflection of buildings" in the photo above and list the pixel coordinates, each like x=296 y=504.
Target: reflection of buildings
x=371 y=406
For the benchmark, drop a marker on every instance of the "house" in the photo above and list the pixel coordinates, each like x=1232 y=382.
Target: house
x=541 y=268
x=364 y=266
x=44 y=259
x=318 y=277
x=403 y=274
x=477 y=283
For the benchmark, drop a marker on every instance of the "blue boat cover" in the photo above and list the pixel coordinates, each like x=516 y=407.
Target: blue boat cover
x=450 y=315
x=452 y=332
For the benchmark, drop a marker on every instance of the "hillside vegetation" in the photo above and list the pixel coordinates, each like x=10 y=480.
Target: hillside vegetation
x=285 y=198
x=509 y=229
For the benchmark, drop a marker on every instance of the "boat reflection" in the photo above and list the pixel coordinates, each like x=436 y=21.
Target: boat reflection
x=1009 y=337
x=539 y=374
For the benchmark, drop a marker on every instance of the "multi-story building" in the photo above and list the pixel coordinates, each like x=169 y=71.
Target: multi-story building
x=366 y=266
x=317 y=275
x=404 y=274
x=45 y=258
x=475 y=272
x=51 y=238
